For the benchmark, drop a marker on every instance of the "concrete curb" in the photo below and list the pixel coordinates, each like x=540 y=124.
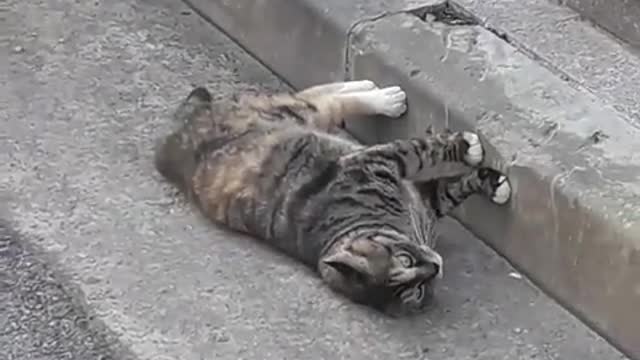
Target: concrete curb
x=573 y=223
x=620 y=17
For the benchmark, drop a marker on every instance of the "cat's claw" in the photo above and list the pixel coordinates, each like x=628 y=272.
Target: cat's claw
x=475 y=152
x=502 y=192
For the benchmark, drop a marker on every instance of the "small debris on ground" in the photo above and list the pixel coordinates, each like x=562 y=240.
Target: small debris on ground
x=515 y=275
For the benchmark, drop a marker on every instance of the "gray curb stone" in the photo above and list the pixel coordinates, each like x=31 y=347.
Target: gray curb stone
x=572 y=225
x=620 y=17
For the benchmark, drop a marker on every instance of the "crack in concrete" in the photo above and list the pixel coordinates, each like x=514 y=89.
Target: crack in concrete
x=453 y=14
x=372 y=19
x=447 y=12
x=351 y=31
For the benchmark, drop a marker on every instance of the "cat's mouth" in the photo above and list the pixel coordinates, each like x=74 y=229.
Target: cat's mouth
x=415 y=292
x=409 y=300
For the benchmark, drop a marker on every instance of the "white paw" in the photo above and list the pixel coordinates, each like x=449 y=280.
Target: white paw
x=475 y=153
x=390 y=101
x=358 y=85
x=502 y=193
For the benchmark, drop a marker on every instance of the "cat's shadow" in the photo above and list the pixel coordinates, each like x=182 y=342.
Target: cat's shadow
x=476 y=280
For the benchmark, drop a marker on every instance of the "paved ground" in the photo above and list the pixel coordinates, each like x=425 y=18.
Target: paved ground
x=111 y=264
x=579 y=52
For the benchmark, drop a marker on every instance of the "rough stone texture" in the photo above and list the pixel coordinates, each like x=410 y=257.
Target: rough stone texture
x=570 y=149
x=88 y=88
x=558 y=38
x=571 y=223
x=41 y=319
x=621 y=17
x=318 y=40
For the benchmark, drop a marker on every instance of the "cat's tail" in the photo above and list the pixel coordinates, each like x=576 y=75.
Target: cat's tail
x=174 y=155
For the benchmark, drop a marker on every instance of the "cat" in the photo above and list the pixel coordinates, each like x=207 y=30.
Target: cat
x=274 y=166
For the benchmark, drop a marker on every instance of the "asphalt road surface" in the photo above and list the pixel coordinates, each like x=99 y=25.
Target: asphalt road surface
x=100 y=259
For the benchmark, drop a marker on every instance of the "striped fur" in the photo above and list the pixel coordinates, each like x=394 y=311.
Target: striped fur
x=275 y=167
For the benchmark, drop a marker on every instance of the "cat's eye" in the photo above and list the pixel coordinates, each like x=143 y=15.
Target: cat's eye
x=405 y=260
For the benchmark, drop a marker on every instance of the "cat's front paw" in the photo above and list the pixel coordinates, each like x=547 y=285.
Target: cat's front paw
x=502 y=190
x=391 y=101
x=474 y=153
x=498 y=186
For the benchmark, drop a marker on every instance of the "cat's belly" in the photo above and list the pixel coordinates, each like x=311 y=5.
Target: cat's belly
x=249 y=185
x=228 y=183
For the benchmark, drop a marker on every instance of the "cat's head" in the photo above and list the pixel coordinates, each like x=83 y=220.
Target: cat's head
x=392 y=276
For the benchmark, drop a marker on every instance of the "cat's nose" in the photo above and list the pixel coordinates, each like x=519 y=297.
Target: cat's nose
x=437 y=270
x=435 y=260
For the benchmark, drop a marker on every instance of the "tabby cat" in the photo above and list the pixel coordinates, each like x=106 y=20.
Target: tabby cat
x=275 y=167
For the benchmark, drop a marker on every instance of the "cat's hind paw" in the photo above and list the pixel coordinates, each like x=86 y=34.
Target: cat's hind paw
x=475 y=153
x=495 y=185
x=501 y=191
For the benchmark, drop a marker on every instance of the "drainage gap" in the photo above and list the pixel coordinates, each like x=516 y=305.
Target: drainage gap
x=450 y=13
x=446 y=12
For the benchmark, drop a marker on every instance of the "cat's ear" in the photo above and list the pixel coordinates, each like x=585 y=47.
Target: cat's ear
x=430 y=130
x=347 y=262
x=199 y=95
x=199 y=99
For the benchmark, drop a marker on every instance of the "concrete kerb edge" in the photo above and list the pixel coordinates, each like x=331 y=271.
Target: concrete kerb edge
x=346 y=69
x=353 y=29
x=614 y=17
x=427 y=7
x=223 y=29
x=475 y=215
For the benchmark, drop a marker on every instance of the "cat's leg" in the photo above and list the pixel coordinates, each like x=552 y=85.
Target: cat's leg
x=336 y=88
x=417 y=159
x=325 y=106
x=445 y=194
x=323 y=96
x=311 y=94
x=333 y=109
